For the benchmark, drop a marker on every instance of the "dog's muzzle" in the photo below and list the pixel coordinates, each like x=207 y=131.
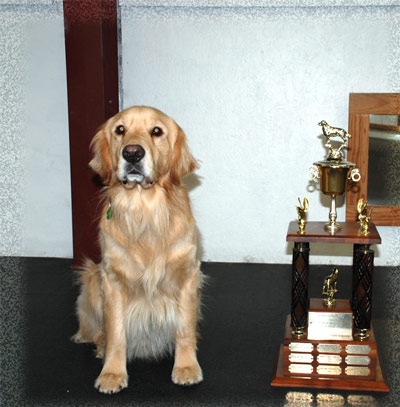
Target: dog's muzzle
x=133 y=171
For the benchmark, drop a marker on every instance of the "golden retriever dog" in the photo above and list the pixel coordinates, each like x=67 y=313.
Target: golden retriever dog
x=142 y=300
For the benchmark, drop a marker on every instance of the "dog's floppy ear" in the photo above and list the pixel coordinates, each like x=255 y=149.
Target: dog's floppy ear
x=101 y=162
x=183 y=163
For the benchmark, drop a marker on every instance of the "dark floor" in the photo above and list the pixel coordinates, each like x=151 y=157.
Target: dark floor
x=244 y=313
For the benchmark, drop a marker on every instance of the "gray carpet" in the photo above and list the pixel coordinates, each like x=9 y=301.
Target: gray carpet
x=244 y=312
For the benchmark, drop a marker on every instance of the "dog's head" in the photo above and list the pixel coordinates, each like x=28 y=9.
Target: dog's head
x=141 y=145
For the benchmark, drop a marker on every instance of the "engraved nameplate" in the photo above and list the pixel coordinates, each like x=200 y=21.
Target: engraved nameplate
x=301 y=347
x=329 y=348
x=357 y=371
x=301 y=357
x=329 y=370
x=329 y=359
x=295 y=398
x=358 y=360
x=361 y=400
x=298 y=368
x=358 y=349
x=330 y=325
x=332 y=400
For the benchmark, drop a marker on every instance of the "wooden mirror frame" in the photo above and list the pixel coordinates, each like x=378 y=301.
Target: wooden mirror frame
x=361 y=106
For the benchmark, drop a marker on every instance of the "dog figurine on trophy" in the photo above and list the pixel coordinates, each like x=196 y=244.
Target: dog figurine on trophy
x=331 y=132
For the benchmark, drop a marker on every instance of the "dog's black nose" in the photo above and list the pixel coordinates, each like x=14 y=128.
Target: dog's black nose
x=133 y=153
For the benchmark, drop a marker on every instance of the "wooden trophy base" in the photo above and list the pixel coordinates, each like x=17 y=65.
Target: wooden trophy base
x=328 y=364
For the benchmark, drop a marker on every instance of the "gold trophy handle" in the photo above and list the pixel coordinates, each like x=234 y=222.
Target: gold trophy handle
x=313 y=173
x=355 y=175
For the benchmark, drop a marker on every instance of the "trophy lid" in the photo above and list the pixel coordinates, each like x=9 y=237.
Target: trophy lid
x=335 y=163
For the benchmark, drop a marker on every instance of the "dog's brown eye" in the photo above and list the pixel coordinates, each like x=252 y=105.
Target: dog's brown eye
x=156 y=132
x=120 y=129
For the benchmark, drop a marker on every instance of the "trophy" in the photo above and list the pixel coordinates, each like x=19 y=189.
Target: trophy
x=334 y=171
x=329 y=342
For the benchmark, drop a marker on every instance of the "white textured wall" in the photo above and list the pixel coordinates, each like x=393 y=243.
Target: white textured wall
x=35 y=219
x=249 y=85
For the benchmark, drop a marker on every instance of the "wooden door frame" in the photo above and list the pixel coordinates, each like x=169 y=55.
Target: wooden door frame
x=91 y=47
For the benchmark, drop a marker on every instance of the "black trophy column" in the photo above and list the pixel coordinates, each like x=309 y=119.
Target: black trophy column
x=361 y=303
x=300 y=301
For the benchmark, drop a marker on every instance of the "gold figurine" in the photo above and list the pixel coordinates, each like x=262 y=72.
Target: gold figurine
x=302 y=217
x=363 y=216
x=330 y=288
x=331 y=132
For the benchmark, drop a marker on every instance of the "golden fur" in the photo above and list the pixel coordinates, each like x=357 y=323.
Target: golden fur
x=142 y=300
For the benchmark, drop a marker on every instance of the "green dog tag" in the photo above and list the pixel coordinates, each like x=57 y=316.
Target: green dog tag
x=109 y=212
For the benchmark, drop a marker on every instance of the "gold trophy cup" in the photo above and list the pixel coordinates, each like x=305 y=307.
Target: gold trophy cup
x=334 y=172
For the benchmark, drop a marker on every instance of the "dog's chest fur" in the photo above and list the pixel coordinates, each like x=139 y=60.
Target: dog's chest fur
x=151 y=269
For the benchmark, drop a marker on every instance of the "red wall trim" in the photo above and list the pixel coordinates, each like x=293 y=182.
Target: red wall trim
x=91 y=46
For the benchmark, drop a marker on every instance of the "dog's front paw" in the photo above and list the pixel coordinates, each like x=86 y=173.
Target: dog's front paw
x=187 y=375
x=111 y=383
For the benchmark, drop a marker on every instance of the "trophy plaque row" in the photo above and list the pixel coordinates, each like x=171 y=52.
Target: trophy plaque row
x=329 y=342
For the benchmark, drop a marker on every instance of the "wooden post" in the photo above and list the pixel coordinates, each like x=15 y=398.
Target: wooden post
x=91 y=46
x=300 y=300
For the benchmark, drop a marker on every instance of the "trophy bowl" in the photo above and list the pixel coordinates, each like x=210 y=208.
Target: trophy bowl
x=333 y=177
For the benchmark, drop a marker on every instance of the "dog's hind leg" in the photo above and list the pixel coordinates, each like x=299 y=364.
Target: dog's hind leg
x=100 y=342
x=89 y=306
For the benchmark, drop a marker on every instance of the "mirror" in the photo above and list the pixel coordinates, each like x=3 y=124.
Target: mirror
x=375 y=148
x=384 y=160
